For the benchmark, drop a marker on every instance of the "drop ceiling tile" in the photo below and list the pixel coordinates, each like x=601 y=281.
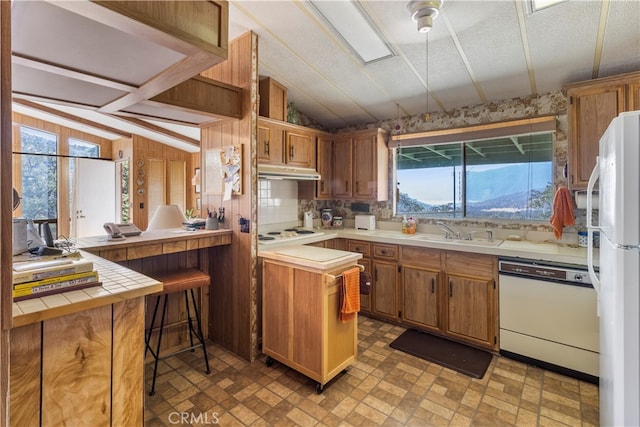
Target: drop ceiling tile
x=52 y=86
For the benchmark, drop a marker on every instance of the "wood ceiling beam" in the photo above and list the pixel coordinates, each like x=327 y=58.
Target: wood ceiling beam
x=204 y=95
x=72 y=117
x=157 y=129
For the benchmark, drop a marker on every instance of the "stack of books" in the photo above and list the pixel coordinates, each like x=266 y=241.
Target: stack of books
x=42 y=278
x=195 y=224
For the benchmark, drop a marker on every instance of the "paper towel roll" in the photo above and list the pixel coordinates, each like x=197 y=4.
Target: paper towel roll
x=581 y=200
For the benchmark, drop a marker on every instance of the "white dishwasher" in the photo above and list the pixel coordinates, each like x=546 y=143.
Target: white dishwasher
x=548 y=317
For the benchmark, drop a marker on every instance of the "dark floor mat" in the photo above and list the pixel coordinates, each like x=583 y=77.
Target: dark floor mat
x=459 y=357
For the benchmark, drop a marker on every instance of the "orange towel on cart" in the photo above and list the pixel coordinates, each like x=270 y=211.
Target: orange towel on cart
x=350 y=294
x=562 y=211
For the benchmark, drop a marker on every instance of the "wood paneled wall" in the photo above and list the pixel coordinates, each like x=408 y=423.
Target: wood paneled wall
x=143 y=150
x=5 y=205
x=233 y=307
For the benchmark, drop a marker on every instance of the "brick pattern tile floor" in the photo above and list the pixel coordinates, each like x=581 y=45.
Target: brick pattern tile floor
x=385 y=387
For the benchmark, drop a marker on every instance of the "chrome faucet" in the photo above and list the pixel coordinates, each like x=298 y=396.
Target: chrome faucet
x=449 y=233
x=489 y=235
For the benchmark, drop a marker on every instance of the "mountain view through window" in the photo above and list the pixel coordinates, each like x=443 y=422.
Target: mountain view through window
x=505 y=178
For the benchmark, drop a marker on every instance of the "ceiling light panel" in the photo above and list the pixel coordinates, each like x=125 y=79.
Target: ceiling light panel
x=536 y=5
x=354 y=27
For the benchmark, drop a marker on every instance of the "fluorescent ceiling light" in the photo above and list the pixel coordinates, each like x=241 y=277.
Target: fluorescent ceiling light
x=536 y=5
x=351 y=24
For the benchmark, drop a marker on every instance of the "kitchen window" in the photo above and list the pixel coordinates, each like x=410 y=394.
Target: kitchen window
x=507 y=177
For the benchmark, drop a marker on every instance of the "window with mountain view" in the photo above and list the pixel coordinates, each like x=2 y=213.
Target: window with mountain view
x=507 y=178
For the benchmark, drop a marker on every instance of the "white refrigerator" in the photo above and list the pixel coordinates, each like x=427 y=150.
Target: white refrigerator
x=618 y=283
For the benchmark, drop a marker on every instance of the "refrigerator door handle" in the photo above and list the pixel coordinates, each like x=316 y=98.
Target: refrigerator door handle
x=595 y=176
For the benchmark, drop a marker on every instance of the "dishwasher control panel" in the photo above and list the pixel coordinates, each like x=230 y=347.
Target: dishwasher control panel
x=560 y=273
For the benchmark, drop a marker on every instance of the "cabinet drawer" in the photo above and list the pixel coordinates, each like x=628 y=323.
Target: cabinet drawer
x=478 y=265
x=359 y=246
x=423 y=257
x=389 y=252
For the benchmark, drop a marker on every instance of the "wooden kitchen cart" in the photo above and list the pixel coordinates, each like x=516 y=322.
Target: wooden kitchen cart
x=301 y=287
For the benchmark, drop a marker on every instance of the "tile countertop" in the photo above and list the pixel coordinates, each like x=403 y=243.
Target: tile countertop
x=541 y=251
x=118 y=284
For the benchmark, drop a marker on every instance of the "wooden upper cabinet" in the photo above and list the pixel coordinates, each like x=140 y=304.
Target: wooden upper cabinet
x=270 y=143
x=342 y=164
x=300 y=149
x=361 y=165
x=281 y=143
x=634 y=98
x=324 y=166
x=320 y=190
x=273 y=99
x=592 y=106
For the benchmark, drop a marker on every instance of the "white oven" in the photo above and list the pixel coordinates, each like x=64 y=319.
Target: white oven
x=548 y=316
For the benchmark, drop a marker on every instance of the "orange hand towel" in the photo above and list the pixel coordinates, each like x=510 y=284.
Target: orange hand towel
x=562 y=211
x=350 y=294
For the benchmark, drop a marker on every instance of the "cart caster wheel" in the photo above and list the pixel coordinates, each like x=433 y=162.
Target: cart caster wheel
x=269 y=361
x=319 y=388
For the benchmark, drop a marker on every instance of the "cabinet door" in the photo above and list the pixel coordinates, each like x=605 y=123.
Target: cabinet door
x=342 y=161
x=470 y=309
x=591 y=111
x=420 y=295
x=364 y=167
x=634 y=97
x=300 y=149
x=275 y=308
x=385 y=295
x=365 y=300
x=306 y=320
x=270 y=141
x=324 y=167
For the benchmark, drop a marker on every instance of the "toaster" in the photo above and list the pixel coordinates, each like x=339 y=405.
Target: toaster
x=365 y=222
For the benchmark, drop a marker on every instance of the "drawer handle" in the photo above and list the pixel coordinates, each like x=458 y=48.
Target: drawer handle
x=322 y=186
x=266 y=148
x=433 y=285
x=450 y=288
x=291 y=151
x=357 y=187
x=346 y=185
x=383 y=252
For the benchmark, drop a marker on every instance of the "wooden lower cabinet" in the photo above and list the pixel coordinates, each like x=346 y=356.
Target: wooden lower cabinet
x=365 y=300
x=450 y=293
x=301 y=327
x=471 y=311
x=421 y=287
x=385 y=289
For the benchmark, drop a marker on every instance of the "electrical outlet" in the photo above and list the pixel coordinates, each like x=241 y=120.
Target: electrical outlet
x=385 y=214
x=244 y=225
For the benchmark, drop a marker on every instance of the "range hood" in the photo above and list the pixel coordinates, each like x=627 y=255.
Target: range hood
x=287 y=172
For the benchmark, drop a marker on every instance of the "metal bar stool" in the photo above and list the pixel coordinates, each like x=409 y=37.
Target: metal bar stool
x=178 y=281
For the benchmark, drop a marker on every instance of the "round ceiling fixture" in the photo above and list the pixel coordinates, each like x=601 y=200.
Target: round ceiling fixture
x=424 y=12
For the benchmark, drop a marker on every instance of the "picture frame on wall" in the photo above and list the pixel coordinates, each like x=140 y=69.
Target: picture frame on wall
x=196 y=180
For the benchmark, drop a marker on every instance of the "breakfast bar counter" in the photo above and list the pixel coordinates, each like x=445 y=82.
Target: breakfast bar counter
x=77 y=358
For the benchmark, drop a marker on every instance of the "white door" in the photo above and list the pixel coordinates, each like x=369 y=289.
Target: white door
x=94 y=196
